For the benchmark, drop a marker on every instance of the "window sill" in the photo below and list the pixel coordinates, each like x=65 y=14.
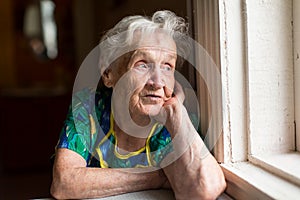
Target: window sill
x=247 y=181
x=286 y=165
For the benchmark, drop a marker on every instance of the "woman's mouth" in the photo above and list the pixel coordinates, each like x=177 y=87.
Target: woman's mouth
x=152 y=98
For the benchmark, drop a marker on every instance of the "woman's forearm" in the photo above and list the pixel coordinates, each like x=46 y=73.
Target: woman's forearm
x=196 y=174
x=192 y=177
x=82 y=182
x=92 y=182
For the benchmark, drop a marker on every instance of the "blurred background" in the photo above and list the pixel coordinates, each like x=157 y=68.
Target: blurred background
x=43 y=43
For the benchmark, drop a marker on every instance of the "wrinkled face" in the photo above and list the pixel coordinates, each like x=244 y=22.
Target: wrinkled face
x=148 y=78
x=153 y=73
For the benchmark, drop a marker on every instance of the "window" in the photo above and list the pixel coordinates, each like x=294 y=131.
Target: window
x=206 y=30
x=49 y=27
x=270 y=94
x=260 y=69
x=40 y=28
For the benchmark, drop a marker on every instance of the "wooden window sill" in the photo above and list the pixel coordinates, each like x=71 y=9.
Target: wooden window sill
x=247 y=181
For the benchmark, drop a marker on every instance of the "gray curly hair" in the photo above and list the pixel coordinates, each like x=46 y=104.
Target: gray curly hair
x=120 y=39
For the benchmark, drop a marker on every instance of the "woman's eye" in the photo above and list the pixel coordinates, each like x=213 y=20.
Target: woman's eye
x=167 y=67
x=141 y=65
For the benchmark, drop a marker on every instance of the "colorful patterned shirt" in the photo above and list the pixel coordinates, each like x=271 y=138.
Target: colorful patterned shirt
x=88 y=130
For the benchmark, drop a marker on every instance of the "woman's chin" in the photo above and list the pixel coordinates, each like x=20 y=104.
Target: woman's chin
x=144 y=113
x=153 y=110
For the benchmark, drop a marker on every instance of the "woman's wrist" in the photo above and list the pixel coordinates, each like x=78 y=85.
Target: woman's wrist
x=158 y=179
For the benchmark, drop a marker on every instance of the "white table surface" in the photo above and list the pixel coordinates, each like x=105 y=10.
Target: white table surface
x=145 y=195
x=148 y=195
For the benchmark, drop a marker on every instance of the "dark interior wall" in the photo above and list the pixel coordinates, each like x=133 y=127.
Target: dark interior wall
x=92 y=18
x=110 y=13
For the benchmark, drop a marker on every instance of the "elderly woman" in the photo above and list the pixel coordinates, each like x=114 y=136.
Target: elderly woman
x=143 y=126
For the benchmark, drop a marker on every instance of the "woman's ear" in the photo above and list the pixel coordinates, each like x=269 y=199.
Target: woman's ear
x=107 y=78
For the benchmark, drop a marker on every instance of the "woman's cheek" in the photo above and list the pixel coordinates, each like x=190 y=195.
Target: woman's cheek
x=139 y=81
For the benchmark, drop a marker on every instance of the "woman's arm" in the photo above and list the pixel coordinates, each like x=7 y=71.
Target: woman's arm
x=196 y=174
x=73 y=180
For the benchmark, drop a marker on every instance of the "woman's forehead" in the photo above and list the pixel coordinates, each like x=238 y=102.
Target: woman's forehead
x=155 y=40
x=153 y=52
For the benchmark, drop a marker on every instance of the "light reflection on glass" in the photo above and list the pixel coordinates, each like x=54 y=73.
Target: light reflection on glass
x=49 y=28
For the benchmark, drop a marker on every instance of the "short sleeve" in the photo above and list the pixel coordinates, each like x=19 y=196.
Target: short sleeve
x=79 y=132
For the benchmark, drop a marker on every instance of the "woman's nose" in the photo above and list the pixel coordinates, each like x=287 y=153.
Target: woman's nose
x=156 y=79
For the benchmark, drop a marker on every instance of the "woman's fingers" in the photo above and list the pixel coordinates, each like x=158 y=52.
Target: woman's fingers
x=174 y=95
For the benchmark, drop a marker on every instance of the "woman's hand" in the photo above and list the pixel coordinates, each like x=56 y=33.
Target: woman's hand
x=173 y=113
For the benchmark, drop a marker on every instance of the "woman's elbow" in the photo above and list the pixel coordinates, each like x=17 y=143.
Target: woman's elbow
x=56 y=189
x=212 y=180
x=212 y=191
x=61 y=185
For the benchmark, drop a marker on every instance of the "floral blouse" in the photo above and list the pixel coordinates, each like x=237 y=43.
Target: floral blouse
x=88 y=130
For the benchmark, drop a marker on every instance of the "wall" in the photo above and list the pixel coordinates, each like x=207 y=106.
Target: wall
x=92 y=18
x=7 y=72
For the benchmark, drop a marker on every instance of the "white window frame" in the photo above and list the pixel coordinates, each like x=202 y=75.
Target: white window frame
x=249 y=170
x=270 y=69
x=296 y=23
